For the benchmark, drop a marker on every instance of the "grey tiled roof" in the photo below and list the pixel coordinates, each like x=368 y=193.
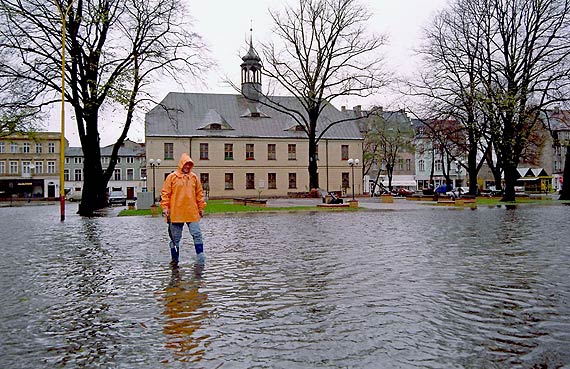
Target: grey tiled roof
x=129 y=148
x=190 y=115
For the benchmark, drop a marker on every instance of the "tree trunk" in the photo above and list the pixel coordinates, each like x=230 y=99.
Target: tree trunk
x=565 y=193
x=511 y=176
x=94 y=194
x=313 y=166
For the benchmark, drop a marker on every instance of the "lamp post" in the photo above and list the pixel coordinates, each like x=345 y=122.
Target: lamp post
x=353 y=163
x=458 y=170
x=153 y=164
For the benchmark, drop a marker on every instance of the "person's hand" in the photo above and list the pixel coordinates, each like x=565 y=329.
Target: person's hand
x=165 y=212
x=201 y=212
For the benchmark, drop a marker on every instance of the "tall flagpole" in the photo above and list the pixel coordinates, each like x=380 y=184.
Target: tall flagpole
x=62 y=137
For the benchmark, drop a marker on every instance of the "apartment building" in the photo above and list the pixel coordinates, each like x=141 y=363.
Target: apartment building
x=29 y=165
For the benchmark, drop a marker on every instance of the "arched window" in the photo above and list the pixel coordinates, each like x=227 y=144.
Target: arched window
x=421 y=166
x=437 y=165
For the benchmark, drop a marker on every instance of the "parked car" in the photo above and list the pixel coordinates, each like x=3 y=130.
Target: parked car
x=117 y=197
x=403 y=192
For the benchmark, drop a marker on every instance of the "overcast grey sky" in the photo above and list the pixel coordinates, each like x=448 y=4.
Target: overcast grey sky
x=225 y=24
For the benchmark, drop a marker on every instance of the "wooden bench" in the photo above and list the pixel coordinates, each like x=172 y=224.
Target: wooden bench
x=249 y=201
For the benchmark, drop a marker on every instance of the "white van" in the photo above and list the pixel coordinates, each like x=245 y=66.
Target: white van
x=74 y=194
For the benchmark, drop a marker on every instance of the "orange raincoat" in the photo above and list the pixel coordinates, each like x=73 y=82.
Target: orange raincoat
x=182 y=194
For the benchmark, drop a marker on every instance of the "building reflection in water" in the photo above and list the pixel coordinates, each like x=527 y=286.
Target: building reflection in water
x=183 y=309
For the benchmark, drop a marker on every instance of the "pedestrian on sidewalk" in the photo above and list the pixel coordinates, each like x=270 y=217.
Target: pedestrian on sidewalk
x=182 y=202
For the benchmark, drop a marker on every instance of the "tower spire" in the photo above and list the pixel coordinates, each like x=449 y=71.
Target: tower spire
x=251 y=70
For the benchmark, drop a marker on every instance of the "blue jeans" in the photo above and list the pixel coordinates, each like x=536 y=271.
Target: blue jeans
x=195 y=232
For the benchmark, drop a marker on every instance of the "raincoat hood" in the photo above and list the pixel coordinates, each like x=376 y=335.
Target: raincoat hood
x=185 y=158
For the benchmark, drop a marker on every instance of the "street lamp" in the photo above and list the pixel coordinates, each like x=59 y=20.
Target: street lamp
x=353 y=163
x=153 y=164
x=458 y=164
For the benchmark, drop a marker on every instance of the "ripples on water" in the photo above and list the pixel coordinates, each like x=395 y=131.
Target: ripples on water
x=433 y=288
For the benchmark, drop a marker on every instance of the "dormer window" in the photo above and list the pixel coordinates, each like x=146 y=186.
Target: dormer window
x=255 y=114
x=215 y=126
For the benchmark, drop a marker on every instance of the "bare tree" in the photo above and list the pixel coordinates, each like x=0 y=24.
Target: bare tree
x=450 y=85
x=388 y=134
x=114 y=50
x=526 y=65
x=324 y=53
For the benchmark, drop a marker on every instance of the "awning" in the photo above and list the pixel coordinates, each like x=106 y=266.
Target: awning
x=401 y=181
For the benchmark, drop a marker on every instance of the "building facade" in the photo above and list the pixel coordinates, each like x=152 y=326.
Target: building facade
x=129 y=174
x=29 y=165
x=244 y=148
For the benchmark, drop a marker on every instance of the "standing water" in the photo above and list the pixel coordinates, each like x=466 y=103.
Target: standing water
x=430 y=288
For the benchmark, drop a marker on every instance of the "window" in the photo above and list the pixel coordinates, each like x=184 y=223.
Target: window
x=272 y=181
x=271 y=152
x=67 y=160
x=205 y=180
x=130 y=174
x=130 y=160
x=203 y=151
x=292 y=180
x=51 y=148
x=13 y=147
x=400 y=164
x=168 y=151
x=229 y=152
x=408 y=164
x=143 y=173
x=77 y=175
x=51 y=167
x=13 y=167
x=2 y=147
x=26 y=148
x=229 y=181
x=437 y=165
x=118 y=160
x=345 y=181
x=105 y=160
x=26 y=167
x=292 y=152
x=39 y=167
x=344 y=152
x=66 y=175
x=557 y=166
x=39 y=148
x=117 y=174
x=249 y=153
x=249 y=181
x=2 y=167
x=78 y=160
x=421 y=166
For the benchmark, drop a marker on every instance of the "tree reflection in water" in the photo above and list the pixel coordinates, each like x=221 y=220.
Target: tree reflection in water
x=183 y=304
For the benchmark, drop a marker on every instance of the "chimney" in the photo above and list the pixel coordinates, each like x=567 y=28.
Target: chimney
x=357 y=110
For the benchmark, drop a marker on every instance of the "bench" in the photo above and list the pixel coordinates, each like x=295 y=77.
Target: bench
x=249 y=201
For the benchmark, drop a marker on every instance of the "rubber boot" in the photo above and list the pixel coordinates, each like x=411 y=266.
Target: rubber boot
x=200 y=252
x=175 y=254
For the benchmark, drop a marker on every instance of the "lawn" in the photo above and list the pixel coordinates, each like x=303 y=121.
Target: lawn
x=227 y=206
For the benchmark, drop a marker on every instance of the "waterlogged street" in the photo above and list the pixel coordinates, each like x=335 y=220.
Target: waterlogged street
x=417 y=288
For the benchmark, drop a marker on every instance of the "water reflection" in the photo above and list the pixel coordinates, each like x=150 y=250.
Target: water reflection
x=183 y=309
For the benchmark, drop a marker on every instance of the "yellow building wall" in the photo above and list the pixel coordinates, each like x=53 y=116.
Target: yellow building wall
x=331 y=165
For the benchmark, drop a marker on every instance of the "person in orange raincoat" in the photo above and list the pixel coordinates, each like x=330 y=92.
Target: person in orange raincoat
x=182 y=201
